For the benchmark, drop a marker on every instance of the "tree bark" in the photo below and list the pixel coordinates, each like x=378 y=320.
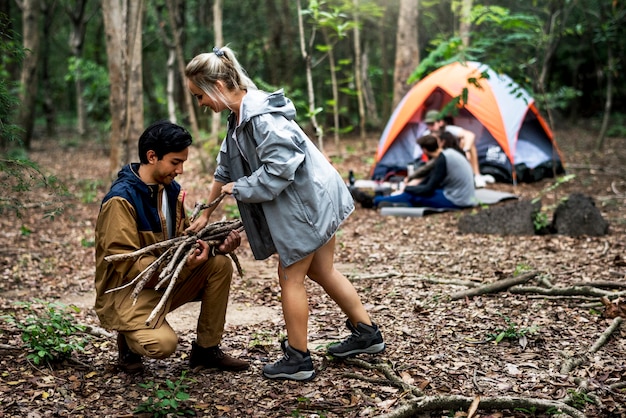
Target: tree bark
x=309 y=79
x=407 y=52
x=465 y=23
x=495 y=286
x=31 y=16
x=123 y=24
x=358 y=70
x=76 y=41
x=216 y=119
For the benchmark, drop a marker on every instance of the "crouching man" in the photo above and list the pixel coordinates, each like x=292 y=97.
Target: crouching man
x=145 y=206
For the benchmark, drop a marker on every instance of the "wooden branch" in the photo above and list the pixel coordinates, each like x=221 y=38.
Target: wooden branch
x=442 y=403
x=574 y=362
x=564 y=291
x=200 y=206
x=170 y=287
x=495 y=286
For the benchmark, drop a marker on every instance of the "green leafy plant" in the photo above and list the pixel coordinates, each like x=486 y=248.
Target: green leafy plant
x=261 y=340
x=166 y=401
x=49 y=331
x=511 y=332
x=89 y=190
x=579 y=398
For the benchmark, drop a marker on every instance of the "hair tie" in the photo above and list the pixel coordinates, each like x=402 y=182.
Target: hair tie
x=218 y=52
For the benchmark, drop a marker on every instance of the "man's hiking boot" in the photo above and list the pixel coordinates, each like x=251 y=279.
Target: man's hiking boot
x=214 y=358
x=365 y=339
x=128 y=361
x=294 y=365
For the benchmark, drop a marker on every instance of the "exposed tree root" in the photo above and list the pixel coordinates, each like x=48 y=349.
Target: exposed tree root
x=572 y=363
x=417 y=403
x=495 y=286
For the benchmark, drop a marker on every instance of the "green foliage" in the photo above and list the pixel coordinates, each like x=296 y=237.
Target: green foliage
x=579 y=398
x=261 y=340
x=11 y=53
x=49 y=331
x=521 y=269
x=21 y=176
x=95 y=79
x=231 y=210
x=89 y=190
x=166 y=401
x=540 y=221
x=511 y=332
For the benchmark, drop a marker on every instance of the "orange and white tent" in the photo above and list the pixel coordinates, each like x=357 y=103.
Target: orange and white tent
x=512 y=139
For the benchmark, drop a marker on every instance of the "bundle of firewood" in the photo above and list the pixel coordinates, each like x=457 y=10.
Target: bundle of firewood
x=176 y=252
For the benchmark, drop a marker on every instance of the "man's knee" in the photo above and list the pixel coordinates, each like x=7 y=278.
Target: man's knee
x=154 y=344
x=162 y=347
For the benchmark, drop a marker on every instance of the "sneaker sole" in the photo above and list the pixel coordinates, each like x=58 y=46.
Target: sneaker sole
x=303 y=376
x=372 y=349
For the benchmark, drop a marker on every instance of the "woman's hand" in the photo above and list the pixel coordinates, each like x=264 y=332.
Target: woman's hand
x=228 y=188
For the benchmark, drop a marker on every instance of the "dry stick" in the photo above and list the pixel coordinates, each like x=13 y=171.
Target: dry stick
x=149 y=272
x=565 y=291
x=141 y=251
x=572 y=363
x=495 y=286
x=442 y=403
x=200 y=206
x=152 y=267
x=175 y=259
x=169 y=289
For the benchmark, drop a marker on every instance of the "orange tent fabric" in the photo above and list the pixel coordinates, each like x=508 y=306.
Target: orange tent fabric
x=499 y=106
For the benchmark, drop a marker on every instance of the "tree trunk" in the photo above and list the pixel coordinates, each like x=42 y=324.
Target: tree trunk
x=309 y=79
x=465 y=22
x=49 y=109
x=176 y=31
x=608 y=101
x=76 y=42
x=368 y=92
x=216 y=118
x=335 y=88
x=123 y=25
x=31 y=13
x=407 y=52
x=358 y=70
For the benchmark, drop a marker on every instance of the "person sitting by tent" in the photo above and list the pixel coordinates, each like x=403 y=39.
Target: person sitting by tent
x=466 y=138
x=450 y=183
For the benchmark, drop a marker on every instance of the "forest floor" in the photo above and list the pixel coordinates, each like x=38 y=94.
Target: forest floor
x=405 y=270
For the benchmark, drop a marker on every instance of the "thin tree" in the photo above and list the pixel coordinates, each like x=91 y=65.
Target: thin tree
x=76 y=11
x=31 y=17
x=313 y=110
x=123 y=25
x=407 y=51
x=219 y=42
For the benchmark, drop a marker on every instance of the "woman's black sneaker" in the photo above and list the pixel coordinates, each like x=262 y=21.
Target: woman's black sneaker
x=365 y=339
x=293 y=366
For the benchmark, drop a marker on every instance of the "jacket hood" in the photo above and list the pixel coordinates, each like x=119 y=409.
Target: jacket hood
x=257 y=102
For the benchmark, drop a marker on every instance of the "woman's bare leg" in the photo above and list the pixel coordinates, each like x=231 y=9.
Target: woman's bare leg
x=322 y=270
x=295 y=302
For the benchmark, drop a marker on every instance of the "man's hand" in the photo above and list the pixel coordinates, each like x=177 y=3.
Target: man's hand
x=199 y=223
x=231 y=242
x=199 y=256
